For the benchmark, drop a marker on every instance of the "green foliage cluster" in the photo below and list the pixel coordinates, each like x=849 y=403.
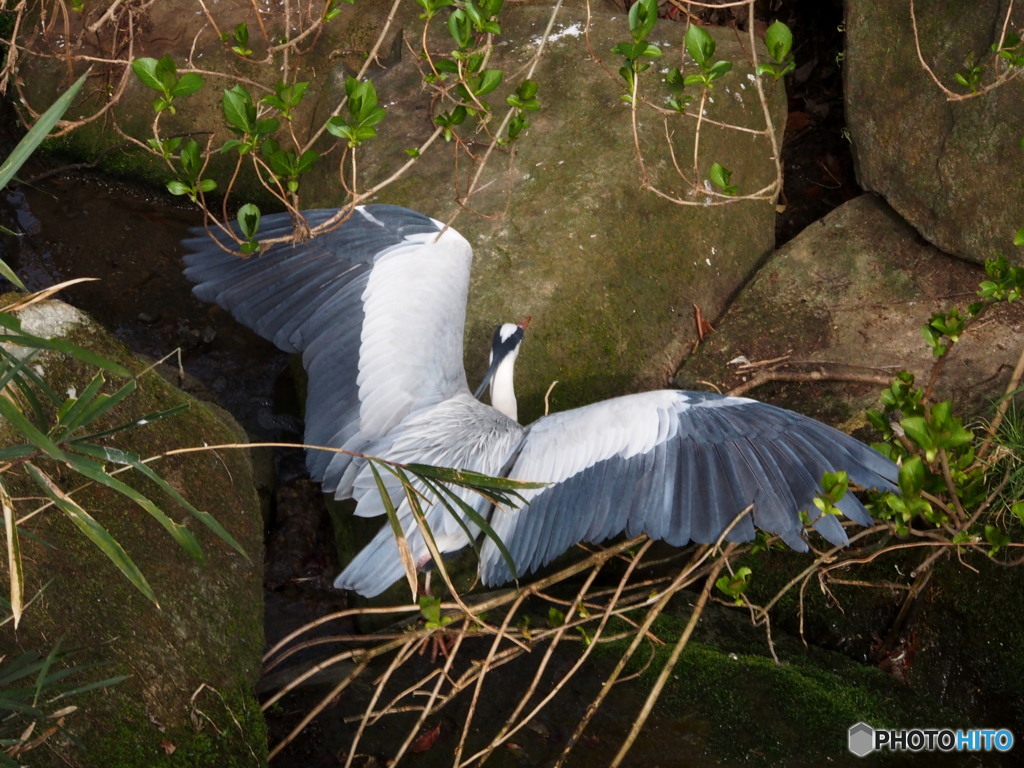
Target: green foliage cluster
x=1009 y=52
x=265 y=133
x=639 y=54
x=943 y=480
x=35 y=689
x=951 y=482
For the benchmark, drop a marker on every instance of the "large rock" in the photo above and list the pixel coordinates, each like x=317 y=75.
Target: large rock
x=191 y=664
x=840 y=307
x=609 y=271
x=953 y=169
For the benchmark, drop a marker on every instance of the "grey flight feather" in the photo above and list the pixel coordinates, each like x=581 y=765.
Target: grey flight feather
x=678 y=466
x=315 y=297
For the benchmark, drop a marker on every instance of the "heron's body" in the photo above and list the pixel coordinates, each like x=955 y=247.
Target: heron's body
x=377 y=309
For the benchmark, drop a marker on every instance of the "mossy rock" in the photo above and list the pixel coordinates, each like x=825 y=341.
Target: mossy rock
x=951 y=166
x=191 y=664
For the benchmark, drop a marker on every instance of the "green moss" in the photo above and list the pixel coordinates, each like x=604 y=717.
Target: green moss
x=229 y=732
x=748 y=709
x=191 y=664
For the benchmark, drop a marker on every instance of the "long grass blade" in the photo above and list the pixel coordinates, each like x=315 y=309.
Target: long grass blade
x=16 y=574
x=480 y=522
x=149 y=418
x=43 y=677
x=19 y=338
x=95 y=532
x=62 y=345
x=15 y=669
x=126 y=458
x=408 y=562
x=70 y=414
x=27 y=146
x=91 y=686
x=17 y=419
x=38 y=132
x=470 y=479
x=18 y=372
x=98 y=474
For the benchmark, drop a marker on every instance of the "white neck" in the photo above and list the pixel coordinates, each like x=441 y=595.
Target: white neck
x=503 y=393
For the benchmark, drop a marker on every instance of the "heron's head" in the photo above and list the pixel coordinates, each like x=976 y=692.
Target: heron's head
x=504 y=348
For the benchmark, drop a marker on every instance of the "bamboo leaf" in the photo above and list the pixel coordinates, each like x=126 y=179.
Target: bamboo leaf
x=15 y=571
x=98 y=474
x=470 y=479
x=408 y=562
x=93 y=685
x=17 y=372
x=480 y=522
x=17 y=419
x=70 y=414
x=22 y=339
x=38 y=132
x=44 y=669
x=133 y=460
x=99 y=404
x=95 y=532
x=141 y=421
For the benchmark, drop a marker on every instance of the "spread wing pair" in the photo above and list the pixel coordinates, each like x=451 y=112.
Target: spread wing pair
x=377 y=309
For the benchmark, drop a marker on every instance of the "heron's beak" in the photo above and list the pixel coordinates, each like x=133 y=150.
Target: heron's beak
x=488 y=376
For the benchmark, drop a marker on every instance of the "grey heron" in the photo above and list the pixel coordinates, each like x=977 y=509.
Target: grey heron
x=377 y=308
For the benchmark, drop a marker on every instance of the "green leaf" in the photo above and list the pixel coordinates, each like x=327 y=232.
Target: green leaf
x=643 y=15
x=1017 y=509
x=239 y=111
x=188 y=83
x=95 y=532
x=98 y=474
x=489 y=80
x=145 y=69
x=916 y=429
x=911 y=477
x=36 y=134
x=720 y=176
x=719 y=68
x=779 y=41
x=460 y=27
x=15 y=571
x=249 y=220
x=700 y=45
x=1018 y=238
x=28 y=430
x=166 y=72
x=735 y=584
x=527 y=90
x=191 y=162
x=996 y=537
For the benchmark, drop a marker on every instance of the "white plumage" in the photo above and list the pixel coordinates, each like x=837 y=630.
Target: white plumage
x=377 y=309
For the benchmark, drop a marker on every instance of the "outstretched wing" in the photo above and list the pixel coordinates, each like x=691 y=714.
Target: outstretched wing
x=678 y=466
x=376 y=307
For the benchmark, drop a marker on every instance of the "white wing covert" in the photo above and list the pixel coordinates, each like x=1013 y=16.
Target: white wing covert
x=678 y=466
x=376 y=308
